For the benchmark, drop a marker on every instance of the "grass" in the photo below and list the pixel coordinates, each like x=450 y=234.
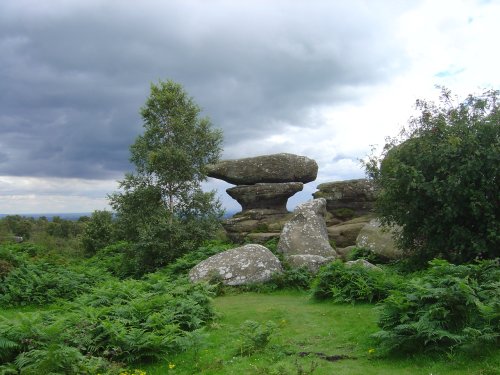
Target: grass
x=340 y=331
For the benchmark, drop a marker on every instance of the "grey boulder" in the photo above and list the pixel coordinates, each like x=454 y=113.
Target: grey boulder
x=305 y=232
x=373 y=236
x=248 y=264
x=265 y=169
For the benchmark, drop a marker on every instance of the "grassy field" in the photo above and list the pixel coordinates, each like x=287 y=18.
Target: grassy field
x=323 y=337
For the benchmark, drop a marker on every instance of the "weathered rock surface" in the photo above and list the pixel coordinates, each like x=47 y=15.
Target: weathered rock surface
x=243 y=265
x=347 y=199
x=311 y=262
x=345 y=234
x=306 y=232
x=363 y=263
x=274 y=168
x=240 y=226
x=268 y=196
x=379 y=240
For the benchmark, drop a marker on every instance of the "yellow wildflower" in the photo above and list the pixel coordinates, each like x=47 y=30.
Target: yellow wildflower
x=171 y=366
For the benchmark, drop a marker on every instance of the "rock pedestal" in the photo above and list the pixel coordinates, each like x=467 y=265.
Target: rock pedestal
x=264 y=184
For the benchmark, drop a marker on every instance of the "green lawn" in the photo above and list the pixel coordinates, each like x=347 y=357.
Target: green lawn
x=306 y=327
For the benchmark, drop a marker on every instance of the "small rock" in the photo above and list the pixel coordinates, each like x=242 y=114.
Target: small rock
x=363 y=263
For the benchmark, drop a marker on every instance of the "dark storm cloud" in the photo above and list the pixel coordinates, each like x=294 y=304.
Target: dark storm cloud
x=73 y=75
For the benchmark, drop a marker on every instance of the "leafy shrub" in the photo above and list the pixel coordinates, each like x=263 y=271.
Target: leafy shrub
x=27 y=278
x=292 y=278
x=447 y=162
x=445 y=308
x=120 y=321
x=366 y=254
x=254 y=336
x=355 y=283
x=99 y=231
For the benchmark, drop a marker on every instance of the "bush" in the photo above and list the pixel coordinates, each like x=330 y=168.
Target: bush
x=445 y=308
x=340 y=283
x=366 y=254
x=99 y=232
x=439 y=182
x=120 y=321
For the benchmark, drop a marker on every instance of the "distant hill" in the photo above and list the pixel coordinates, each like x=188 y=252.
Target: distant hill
x=66 y=216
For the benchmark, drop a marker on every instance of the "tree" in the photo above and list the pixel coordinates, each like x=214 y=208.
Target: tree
x=98 y=232
x=440 y=180
x=162 y=209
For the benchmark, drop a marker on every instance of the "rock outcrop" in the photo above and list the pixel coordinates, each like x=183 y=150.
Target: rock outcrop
x=349 y=206
x=264 y=185
x=379 y=240
x=346 y=200
x=305 y=234
x=248 y=264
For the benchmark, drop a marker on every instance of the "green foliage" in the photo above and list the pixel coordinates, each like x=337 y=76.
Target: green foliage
x=254 y=336
x=162 y=210
x=27 y=278
x=440 y=181
x=98 y=232
x=292 y=278
x=366 y=254
x=120 y=321
x=343 y=283
x=445 y=308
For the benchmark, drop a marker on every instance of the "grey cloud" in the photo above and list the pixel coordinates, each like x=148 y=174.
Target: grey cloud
x=73 y=78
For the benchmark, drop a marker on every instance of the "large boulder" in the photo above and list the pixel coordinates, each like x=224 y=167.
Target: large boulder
x=347 y=199
x=306 y=232
x=243 y=265
x=373 y=236
x=274 y=168
x=268 y=196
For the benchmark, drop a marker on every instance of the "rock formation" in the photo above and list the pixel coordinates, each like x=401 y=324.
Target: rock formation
x=264 y=185
x=243 y=265
x=304 y=239
x=348 y=199
x=349 y=205
x=274 y=168
x=379 y=240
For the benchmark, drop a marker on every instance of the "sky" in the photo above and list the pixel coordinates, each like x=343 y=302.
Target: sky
x=324 y=79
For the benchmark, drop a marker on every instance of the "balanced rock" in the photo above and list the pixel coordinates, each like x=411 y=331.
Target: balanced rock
x=378 y=239
x=265 y=169
x=268 y=196
x=243 y=265
x=306 y=232
x=347 y=199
